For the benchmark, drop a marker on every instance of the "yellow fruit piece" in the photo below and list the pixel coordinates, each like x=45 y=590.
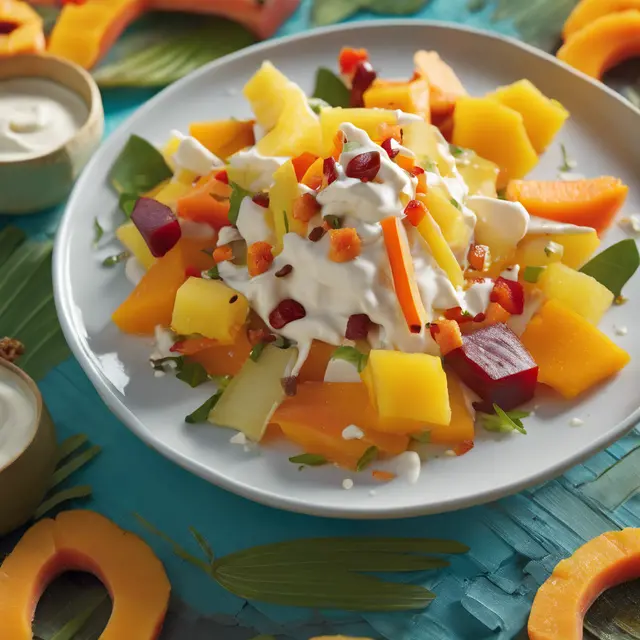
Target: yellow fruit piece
x=410 y=97
x=427 y=143
x=132 y=239
x=480 y=175
x=205 y=307
x=542 y=116
x=578 y=291
x=449 y=219
x=169 y=149
x=297 y=130
x=495 y=132
x=572 y=354
x=367 y=119
x=267 y=91
x=284 y=191
x=170 y=193
x=578 y=248
x=432 y=234
x=536 y=251
x=408 y=385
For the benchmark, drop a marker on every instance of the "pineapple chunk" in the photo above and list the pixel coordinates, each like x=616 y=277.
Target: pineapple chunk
x=297 y=130
x=577 y=249
x=169 y=149
x=449 y=218
x=205 y=307
x=132 y=239
x=578 y=291
x=408 y=385
x=410 y=97
x=266 y=91
x=427 y=143
x=479 y=174
x=367 y=119
x=538 y=251
x=172 y=191
x=284 y=191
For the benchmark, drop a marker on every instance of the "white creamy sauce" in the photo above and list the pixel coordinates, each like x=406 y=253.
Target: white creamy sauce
x=540 y=226
x=227 y=235
x=339 y=370
x=500 y=223
x=133 y=270
x=17 y=416
x=532 y=302
x=252 y=222
x=511 y=273
x=476 y=298
x=407 y=466
x=192 y=155
x=37 y=116
x=404 y=118
x=352 y=433
x=257 y=168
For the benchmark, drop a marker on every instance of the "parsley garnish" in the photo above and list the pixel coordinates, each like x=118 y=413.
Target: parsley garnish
x=238 y=194
x=213 y=273
x=193 y=373
x=201 y=414
x=286 y=222
x=503 y=421
x=367 y=458
x=256 y=352
x=567 y=163
x=352 y=355
x=455 y=150
x=456 y=204
x=309 y=460
x=333 y=221
x=112 y=261
x=127 y=202
x=98 y=232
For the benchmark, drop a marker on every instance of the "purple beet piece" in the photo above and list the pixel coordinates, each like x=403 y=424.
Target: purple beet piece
x=495 y=364
x=157 y=224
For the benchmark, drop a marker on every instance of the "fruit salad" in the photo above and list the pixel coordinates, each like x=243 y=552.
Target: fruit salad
x=367 y=272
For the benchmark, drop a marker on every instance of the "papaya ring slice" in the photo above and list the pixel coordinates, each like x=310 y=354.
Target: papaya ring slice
x=561 y=602
x=85 y=541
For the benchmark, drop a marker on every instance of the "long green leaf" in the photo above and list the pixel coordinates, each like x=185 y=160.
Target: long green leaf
x=331 y=11
x=395 y=7
x=73 y=493
x=10 y=239
x=76 y=624
x=614 y=266
x=77 y=462
x=330 y=88
x=70 y=445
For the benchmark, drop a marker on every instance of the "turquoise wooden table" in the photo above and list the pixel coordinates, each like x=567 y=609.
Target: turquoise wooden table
x=486 y=594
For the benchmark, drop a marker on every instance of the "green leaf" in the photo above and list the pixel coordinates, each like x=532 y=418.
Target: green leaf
x=333 y=221
x=98 y=232
x=214 y=273
x=203 y=544
x=170 y=48
x=193 y=373
x=614 y=266
x=112 y=261
x=73 y=493
x=72 y=628
x=139 y=168
x=395 y=7
x=202 y=412
x=256 y=352
x=504 y=422
x=70 y=445
x=531 y=274
x=286 y=222
x=456 y=151
x=77 y=462
x=567 y=163
x=423 y=437
x=10 y=239
x=367 y=458
x=326 y=12
x=309 y=459
x=316 y=105
x=331 y=89
x=238 y=194
x=352 y=355
x=127 y=203
x=456 y=204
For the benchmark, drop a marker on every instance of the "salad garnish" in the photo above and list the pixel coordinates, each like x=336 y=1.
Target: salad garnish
x=367 y=458
x=112 y=261
x=309 y=460
x=614 y=266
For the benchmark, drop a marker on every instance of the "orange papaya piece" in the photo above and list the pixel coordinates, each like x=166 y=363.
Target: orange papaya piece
x=208 y=203
x=588 y=203
x=603 y=43
x=313 y=175
x=151 y=302
x=302 y=163
x=562 y=601
x=224 y=360
x=223 y=137
x=445 y=86
x=588 y=11
x=85 y=541
x=21 y=29
x=315 y=366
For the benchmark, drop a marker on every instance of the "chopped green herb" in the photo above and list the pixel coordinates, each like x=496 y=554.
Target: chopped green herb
x=256 y=352
x=504 y=422
x=352 y=355
x=309 y=459
x=553 y=249
x=456 y=204
x=201 y=414
x=567 y=163
x=193 y=373
x=281 y=342
x=98 y=232
x=317 y=105
x=330 y=88
x=127 y=203
x=467 y=314
x=367 y=458
x=238 y=194
x=429 y=165
x=456 y=151
x=213 y=273
x=333 y=221
x=112 y=261
x=350 y=146
x=286 y=222
x=614 y=266
x=531 y=274
x=423 y=437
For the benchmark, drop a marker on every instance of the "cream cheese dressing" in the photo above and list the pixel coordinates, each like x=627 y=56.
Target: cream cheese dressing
x=257 y=169
x=540 y=226
x=191 y=155
x=252 y=222
x=37 y=116
x=17 y=416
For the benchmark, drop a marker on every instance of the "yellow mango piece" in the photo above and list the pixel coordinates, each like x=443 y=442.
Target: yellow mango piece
x=205 y=307
x=281 y=196
x=578 y=291
x=410 y=97
x=367 y=119
x=172 y=191
x=479 y=174
x=223 y=137
x=536 y=251
x=297 y=130
x=449 y=219
x=542 y=116
x=169 y=149
x=461 y=427
x=577 y=249
x=495 y=132
x=266 y=92
x=132 y=239
x=572 y=354
x=427 y=143
x=408 y=385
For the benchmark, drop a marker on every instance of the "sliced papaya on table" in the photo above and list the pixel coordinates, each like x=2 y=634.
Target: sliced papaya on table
x=20 y=29
x=587 y=11
x=562 y=601
x=85 y=541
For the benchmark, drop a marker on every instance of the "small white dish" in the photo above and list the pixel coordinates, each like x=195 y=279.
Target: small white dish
x=600 y=135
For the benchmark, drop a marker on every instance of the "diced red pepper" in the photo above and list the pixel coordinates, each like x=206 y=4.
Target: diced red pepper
x=463 y=447
x=349 y=59
x=192 y=272
x=261 y=199
x=457 y=314
x=478 y=257
x=509 y=294
x=415 y=212
x=222 y=176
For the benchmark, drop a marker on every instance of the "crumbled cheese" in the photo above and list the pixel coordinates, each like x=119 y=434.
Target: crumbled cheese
x=450 y=453
x=133 y=270
x=238 y=438
x=352 y=432
x=632 y=223
x=227 y=235
x=408 y=466
x=347 y=484
x=158 y=373
x=576 y=422
x=621 y=330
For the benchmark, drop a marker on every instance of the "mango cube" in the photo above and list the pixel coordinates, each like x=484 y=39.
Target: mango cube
x=572 y=354
x=367 y=119
x=132 y=239
x=578 y=291
x=427 y=143
x=209 y=308
x=410 y=97
x=266 y=92
x=449 y=218
x=409 y=386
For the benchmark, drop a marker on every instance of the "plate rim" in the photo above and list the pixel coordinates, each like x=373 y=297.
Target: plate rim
x=80 y=348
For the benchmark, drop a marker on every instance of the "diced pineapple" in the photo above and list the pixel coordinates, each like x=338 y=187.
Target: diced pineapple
x=132 y=239
x=297 y=130
x=408 y=385
x=169 y=149
x=449 y=218
x=367 y=119
x=266 y=91
x=538 y=251
x=577 y=249
x=479 y=174
x=578 y=291
x=209 y=308
x=427 y=143
x=170 y=193
x=284 y=191
x=410 y=97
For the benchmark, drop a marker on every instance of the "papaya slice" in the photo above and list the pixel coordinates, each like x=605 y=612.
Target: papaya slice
x=21 y=29
x=587 y=203
x=223 y=137
x=562 y=601
x=603 y=43
x=444 y=84
x=85 y=541
x=587 y=11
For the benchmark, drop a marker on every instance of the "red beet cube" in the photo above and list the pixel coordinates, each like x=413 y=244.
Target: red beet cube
x=495 y=364
x=157 y=224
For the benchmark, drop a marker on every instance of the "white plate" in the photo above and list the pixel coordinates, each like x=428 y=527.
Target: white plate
x=602 y=135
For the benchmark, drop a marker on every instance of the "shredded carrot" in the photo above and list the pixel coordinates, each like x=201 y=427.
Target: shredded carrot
x=463 y=447
x=305 y=207
x=349 y=59
x=190 y=346
x=422 y=183
x=313 y=176
x=448 y=336
x=478 y=257
x=345 y=244
x=302 y=163
x=259 y=258
x=383 y=476
x=338 y=144
x=220 y=254
x=386 y=131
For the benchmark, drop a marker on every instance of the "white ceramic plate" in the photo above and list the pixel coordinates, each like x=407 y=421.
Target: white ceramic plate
x=601 y=135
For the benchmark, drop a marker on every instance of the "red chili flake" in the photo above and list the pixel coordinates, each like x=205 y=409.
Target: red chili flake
x=456 y=313
x=388 y=147
x=192 y=272
x=284 y=271
x=330 y=170
x=316 y=234
x=289 y=385
x=463 y=447
x=364 y=166
x=261 y=199
x=363 y=78
x=358 y=327
x=222 y=176
x=287 y=311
